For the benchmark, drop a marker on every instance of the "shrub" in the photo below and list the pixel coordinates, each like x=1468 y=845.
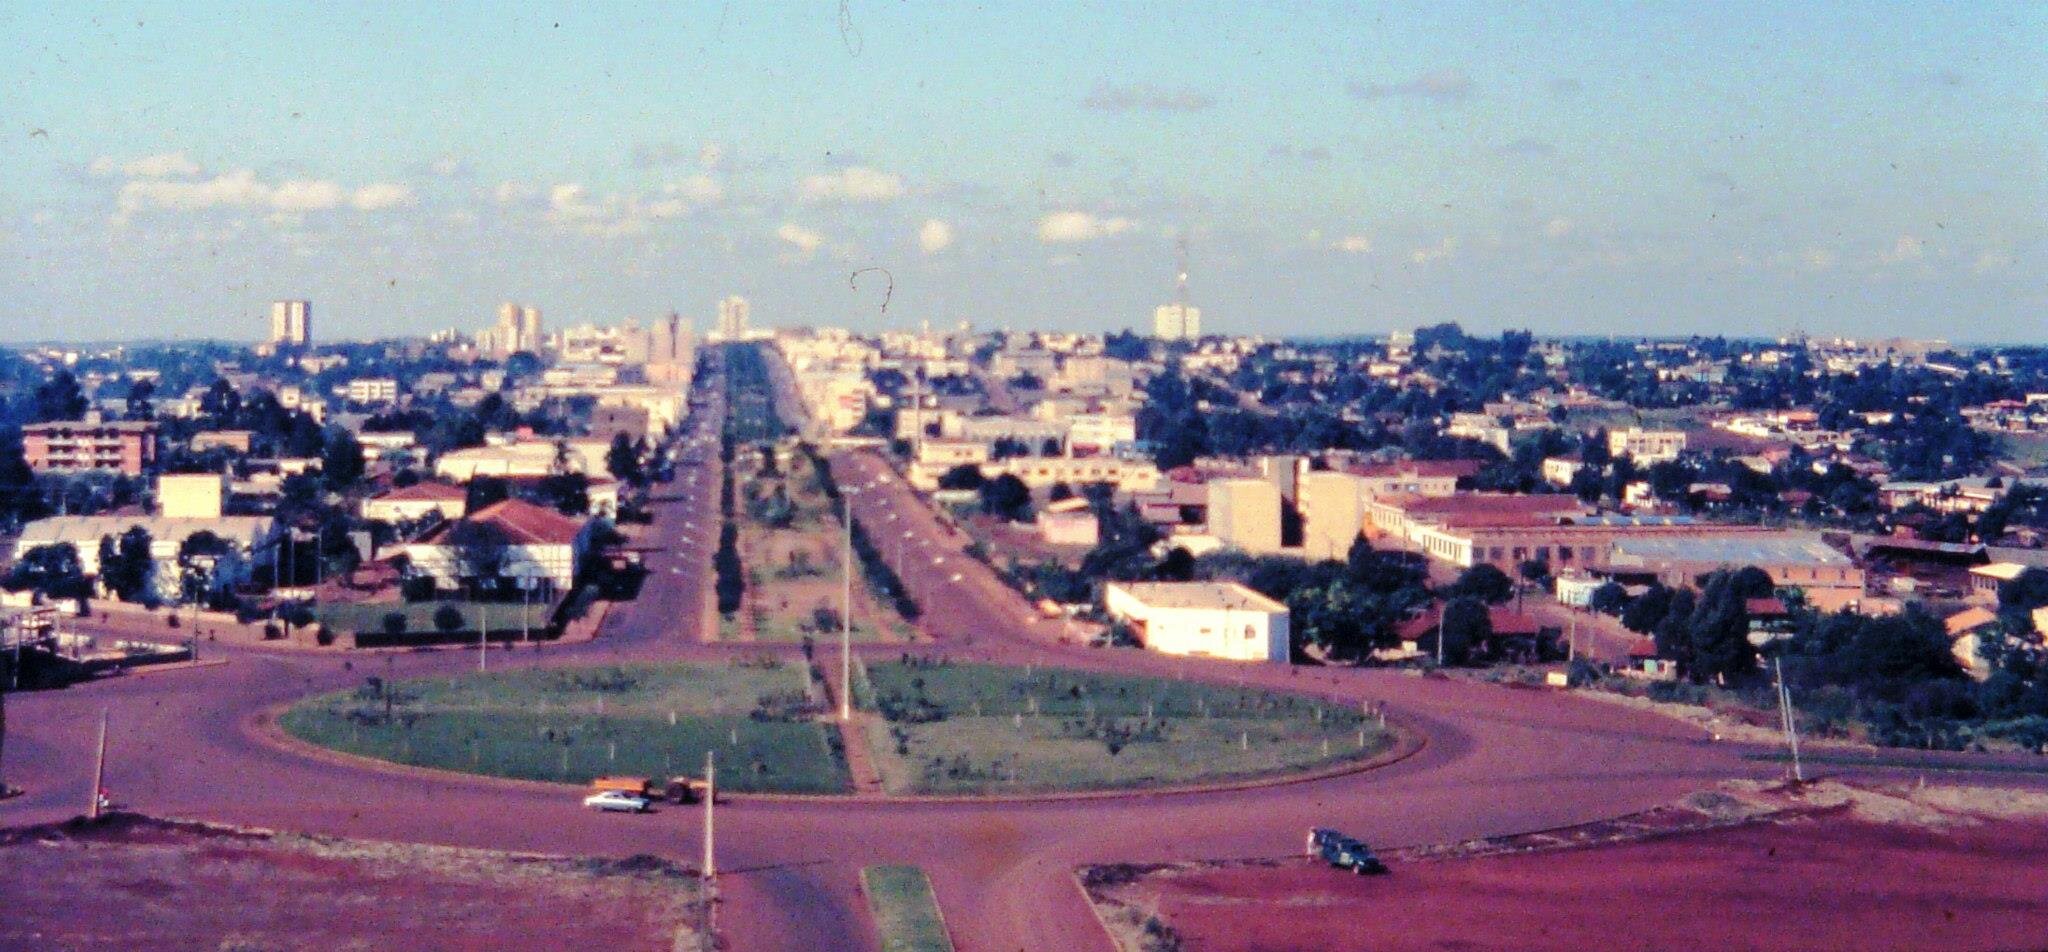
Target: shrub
x=448 y=619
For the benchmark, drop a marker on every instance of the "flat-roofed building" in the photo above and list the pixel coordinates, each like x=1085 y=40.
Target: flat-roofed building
x=1792 y=559
x=1210 y=619
x=190 y=495
x=1245 y=514
x=69 y=446
x=1646 y=446
x=1332 y=513
x=1069 y=521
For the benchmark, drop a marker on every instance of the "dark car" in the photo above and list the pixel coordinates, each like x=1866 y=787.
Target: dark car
x=1344 y=852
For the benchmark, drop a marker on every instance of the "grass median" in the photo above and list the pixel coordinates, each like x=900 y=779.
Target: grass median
x=906 y=913
x=571 y=724
x=970 y=729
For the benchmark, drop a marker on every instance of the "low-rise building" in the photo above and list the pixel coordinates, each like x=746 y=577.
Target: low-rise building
x=415 y=502
x=190 y=495
x=508 y=544
x=1646 y=446
x=1210 y=619
x=66 y=446
x=525 y=458
x=1245 y=514
x=371 y=390
x=1069 y=521
x=251 y=546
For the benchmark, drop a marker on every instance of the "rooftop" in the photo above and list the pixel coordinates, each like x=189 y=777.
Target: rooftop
x=1212 y=595
x=507 y=522
x=426 y=491
x=1762 y=548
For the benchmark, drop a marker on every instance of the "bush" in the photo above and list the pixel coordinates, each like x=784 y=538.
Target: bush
x=448 y=619
x=323 y=636
x=394 y=624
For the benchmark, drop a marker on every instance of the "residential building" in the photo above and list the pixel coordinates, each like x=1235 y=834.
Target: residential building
x=1089 y=434
x=291 y=323
x=1561 y=470
x=524 y=458
x=1209 y=619
x=1177 y=321
x=190 y=495
x=127 y=447
x=508 y=544
x=414 y=502
x=1069 y=521
x=1128 y=476
x=1645 y=447
x=238 y=441
x=1985 y=580
x=372 y=390
x=1245 y=514
x=1332 y=513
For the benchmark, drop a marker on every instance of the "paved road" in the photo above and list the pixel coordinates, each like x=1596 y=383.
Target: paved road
x=1498 y=761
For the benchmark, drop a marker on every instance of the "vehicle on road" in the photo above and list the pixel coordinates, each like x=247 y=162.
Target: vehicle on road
x=637 y=786
x=618 y=801
x=1344 y=852
x=685 y=790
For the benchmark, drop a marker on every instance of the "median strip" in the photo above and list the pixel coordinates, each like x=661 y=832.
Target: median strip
x=906 y=914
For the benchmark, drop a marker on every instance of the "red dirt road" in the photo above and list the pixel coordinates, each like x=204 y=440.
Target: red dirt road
x=1830 y=883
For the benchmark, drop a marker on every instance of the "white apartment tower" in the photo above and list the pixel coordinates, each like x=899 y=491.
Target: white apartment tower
x=291 y=323
x=732 y=318
x=1179 y=320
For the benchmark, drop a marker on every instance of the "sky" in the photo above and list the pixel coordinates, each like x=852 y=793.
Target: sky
x=166 y=170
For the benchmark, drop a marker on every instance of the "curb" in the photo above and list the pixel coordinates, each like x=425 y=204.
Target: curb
x=1094 y=910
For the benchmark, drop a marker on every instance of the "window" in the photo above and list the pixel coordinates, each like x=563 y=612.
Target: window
x=1250 y=632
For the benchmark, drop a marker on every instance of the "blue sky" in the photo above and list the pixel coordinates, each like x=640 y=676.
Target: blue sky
x=1570 y=168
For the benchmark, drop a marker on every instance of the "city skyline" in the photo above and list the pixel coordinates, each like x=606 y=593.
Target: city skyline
x=1842 y=169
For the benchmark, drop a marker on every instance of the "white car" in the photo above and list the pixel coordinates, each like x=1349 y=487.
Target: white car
x=617 y=801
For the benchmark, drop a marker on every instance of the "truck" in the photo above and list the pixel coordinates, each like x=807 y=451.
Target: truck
x=685 y=790
x=637 y=786
x=1343 y=852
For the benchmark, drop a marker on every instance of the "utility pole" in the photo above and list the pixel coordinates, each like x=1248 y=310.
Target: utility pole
x=1785 y=715
x=99 y=769
x=846 y=494
x=483 y=638
x=1441 y=611
x=710 y=830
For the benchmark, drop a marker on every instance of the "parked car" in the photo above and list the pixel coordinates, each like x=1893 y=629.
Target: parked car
x=1344 y=852
x=617 y=801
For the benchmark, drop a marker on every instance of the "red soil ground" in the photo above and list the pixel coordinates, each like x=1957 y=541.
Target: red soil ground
x=1826 y=883
x=143 y=885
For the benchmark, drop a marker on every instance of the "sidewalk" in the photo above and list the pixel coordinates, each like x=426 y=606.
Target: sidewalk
x=860 y=763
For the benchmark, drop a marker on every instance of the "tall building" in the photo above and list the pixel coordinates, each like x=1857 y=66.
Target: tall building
x=1245 y=514
x=732 y=318
x=70 y=446
x=291 y=323
x=530 y=329
x=1179 y=320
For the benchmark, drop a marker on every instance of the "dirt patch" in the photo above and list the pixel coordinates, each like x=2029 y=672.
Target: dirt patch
x=1825 y=866
x=132 y=882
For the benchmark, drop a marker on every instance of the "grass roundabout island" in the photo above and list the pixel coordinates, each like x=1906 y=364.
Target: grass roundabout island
x=928 y=727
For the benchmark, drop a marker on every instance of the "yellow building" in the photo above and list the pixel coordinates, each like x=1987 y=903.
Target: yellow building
x=1245 y=514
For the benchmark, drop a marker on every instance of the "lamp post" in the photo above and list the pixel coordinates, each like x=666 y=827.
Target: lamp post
x=846 y=494
x=1773 y=641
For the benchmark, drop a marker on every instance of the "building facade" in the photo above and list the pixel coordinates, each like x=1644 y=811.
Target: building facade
x=126 y=447
x=1208 y=619
x=291 y=323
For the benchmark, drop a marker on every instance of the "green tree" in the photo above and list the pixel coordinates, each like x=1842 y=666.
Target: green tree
x=1006 y=496
x=1608 y=599
x=963 y=476
x=624 y=462
x=1466 y=623
x=60 y=398
x=1484 y=582
x=341 y=459
x=126 y=563
x=448 y=619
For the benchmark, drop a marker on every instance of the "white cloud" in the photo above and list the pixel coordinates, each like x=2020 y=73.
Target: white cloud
x=1141 y=96
x=1440 y=85
x=695 y=189
x=1436 y=252
x=851 y=184
x=378 y=196
x=805 y=240
x=1817 y=258
x=306 y=195
x=711 y=156
x=1989 y=261
x=572 y=205
x=1354 y=244
x=934 y=236
x=1072 y=226
x=161 y=165
x=1906 y=248
x=1559 y=227
x=242 y=189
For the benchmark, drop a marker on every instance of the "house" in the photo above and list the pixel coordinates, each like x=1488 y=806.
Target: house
x=1985 y=580
x=1646 y=446
x=411 y=503
x=508 y=544
x=1211 y=619
x=1069 y=521
x=1644 y=663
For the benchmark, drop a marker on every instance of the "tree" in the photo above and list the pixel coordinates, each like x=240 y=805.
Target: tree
x=60 y=398
x=198 y=558
x=1484 y=582
x=448 y=619
x=1466 y=623
x=2025 y=591
x=569 y=493
x=140 y=393
x=1059 y=492
x=341 y=459
x=126 y=563
x=20 y=499
x=1646 y=611
x=963 y=476
x=1006 y=496
x=54 y=570
x=394 y=624
x=623 y=462
x=1610 y=598
x=484 y=491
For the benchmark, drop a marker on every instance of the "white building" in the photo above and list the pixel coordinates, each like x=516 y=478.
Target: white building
x=1646 y=446
x=512 y=543
x=525 y=458
x=1177 y=321
x=291 y=323
x=251 y=543
x=411 y=503
x=372 y=390
x=733 y=314
x=1211 y=619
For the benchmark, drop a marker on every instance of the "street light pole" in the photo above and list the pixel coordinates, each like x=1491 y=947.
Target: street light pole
x=846 y=495
x=1785 y=715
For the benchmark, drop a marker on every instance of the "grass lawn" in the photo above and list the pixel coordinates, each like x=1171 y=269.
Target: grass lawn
x=968 y=728
x=419 y=616
x=572 y=724
x=906 y=914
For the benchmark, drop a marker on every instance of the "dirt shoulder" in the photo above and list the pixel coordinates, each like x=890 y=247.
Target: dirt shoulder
x=133 y=882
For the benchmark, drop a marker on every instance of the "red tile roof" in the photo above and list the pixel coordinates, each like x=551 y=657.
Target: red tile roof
x=508 y=522
x=425 y=492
